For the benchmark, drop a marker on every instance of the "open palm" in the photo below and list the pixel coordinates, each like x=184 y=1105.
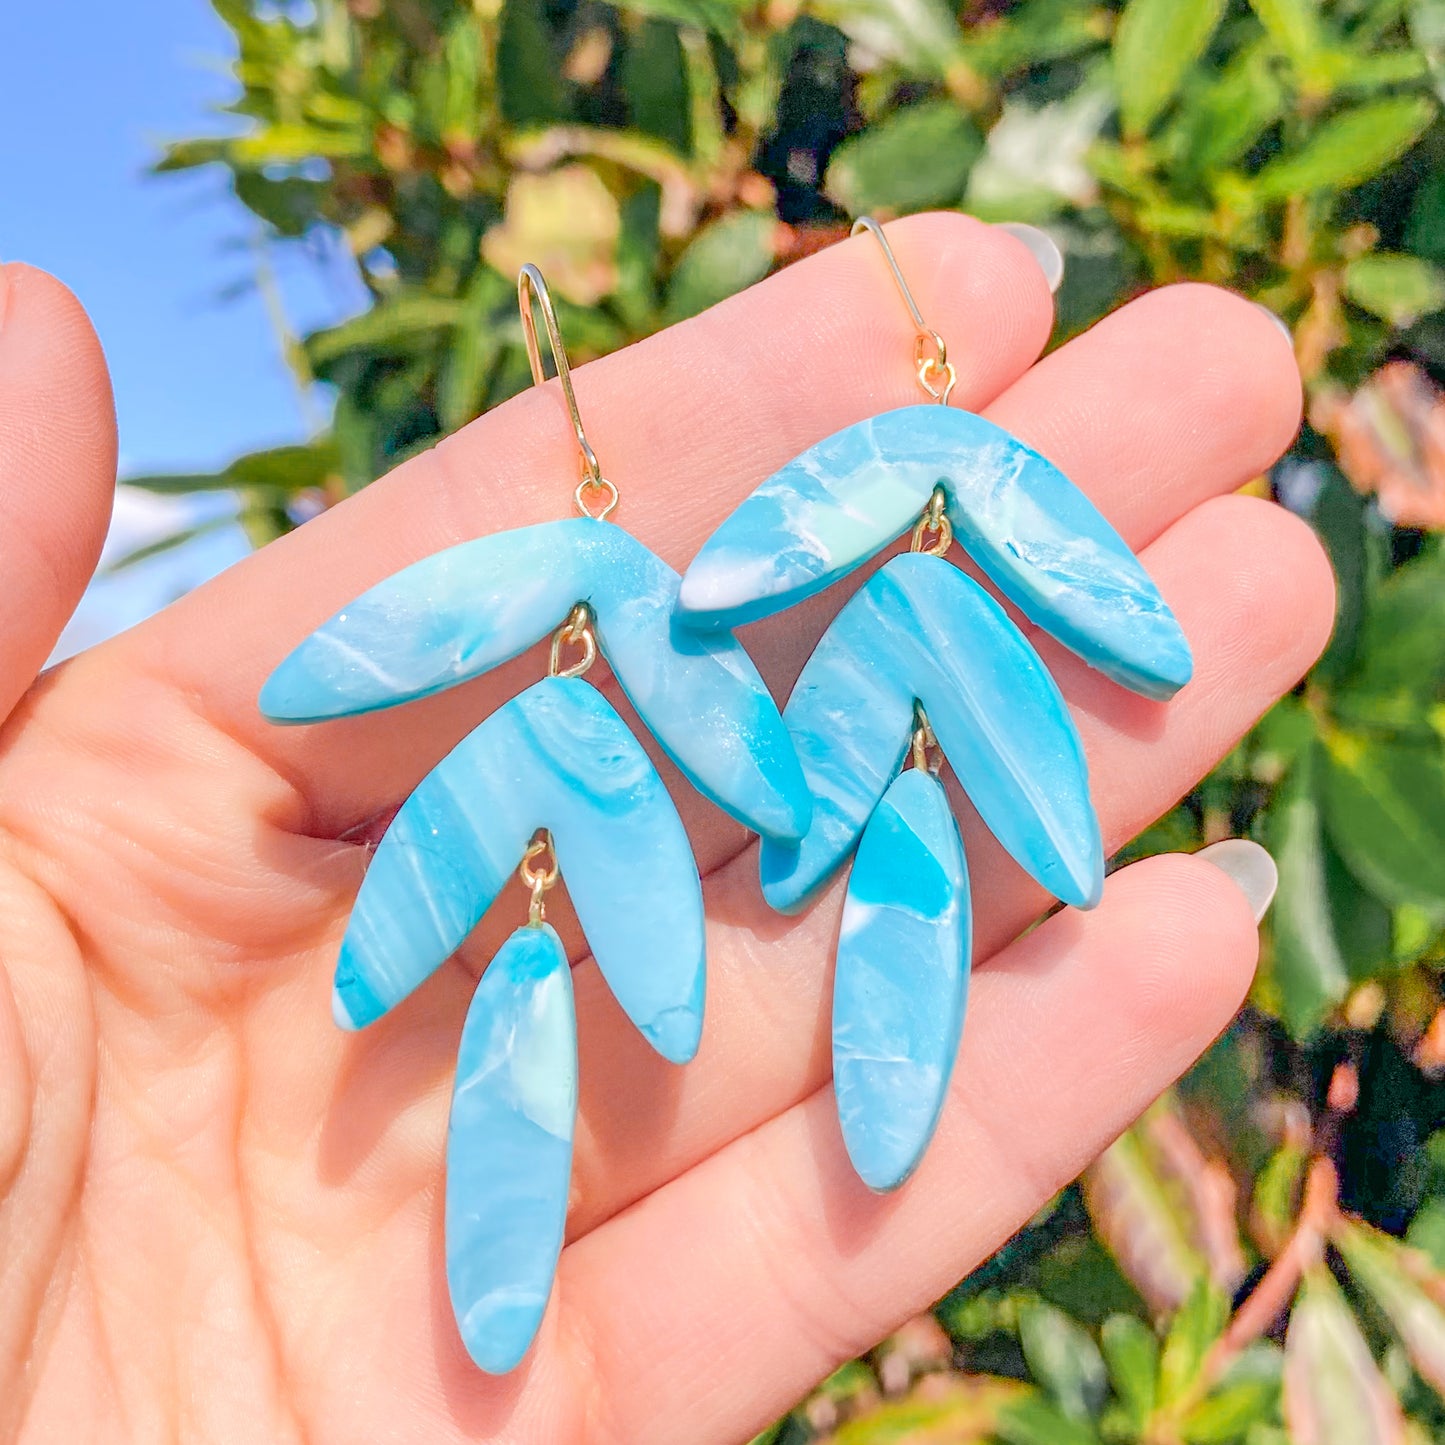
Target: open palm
x=221 y=1218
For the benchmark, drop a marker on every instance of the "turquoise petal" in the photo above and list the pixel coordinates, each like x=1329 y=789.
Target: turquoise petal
x=459 y=613
x=509 y=1147
x=901 y=984
x=557 y=757
x=921 y=629
x=1037 y=536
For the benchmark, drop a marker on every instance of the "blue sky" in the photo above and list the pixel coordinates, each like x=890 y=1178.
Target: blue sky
x=91 y=88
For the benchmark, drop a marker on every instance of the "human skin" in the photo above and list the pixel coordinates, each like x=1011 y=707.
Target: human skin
x=220 y=1216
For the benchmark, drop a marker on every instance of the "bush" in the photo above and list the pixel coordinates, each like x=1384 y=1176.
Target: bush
x=1268 y=1244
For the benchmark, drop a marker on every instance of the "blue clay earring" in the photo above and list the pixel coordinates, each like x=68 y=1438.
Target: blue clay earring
x=555 y=779
x=923 y=657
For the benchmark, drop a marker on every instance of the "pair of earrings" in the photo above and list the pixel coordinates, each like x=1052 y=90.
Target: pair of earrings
x=920 y=661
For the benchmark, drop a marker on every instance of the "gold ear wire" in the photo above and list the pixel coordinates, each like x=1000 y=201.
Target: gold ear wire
x=936 y=373
x=532 y=288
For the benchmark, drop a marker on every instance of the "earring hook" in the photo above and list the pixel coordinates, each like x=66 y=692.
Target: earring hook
x=936 y=373
x=532 y=289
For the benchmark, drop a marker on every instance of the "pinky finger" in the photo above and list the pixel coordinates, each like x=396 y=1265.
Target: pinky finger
x=763 y=1268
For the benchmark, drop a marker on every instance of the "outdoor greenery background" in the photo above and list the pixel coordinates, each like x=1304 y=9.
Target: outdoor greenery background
x=1262 y=1258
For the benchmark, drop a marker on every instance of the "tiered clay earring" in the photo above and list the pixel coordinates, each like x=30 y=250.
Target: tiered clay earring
x=554 y=779
x=921 y=654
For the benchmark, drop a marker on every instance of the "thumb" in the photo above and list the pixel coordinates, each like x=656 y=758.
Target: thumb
x=57 y=468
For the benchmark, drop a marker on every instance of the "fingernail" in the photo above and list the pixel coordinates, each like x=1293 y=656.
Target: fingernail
x=1278 y=321
x=1251 y=868
x=1045 y=250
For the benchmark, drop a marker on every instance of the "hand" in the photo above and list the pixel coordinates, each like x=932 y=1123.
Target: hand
x=220 y=1217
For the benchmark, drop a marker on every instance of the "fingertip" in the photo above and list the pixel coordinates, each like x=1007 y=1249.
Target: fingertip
x=1239 y=354
x=950 y=260
x=1194 y=955
x=1267 y=544
x=57 y=465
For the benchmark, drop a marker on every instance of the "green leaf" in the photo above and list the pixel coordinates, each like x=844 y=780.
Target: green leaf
x=285 y=470
x=1281 y=736
x=654 y=78
x=290 y=204
x=1258 y=1434
x=1131 y=1351
x=1385 y=809
x=1394 y=1276
x=462 y=50
x=529 y=72
x=1345 y=70
x=1063 y=1358
x=1033 y=1420
x=721 y=16
x=1191 y=1334
x=391 y=326
x=1341 y=518
x=1425 y=231
x=638 y=248
x=1294 y=26
x=880 y=169
x=1307 y=974
x=268 y=145
x=722 y=260
x=1427 y=30
x=288 y=144
x=1248 y=1394
x=478 y=338
x=1154 y=46
x=1334 y=1393
x=1274 y=1203
x=1327 y=932
x=1349 y=147
x=1397 y=288
x=167 y=543
x=1427 y=1232
x=1402 y=647
x=1225 y=117
x=1035 y=161
x=176 y=484
x=1030 y=35
x=966 y=1410
x=920 y=34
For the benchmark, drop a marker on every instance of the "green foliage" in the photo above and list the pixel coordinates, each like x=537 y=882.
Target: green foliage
x=1228 y=1273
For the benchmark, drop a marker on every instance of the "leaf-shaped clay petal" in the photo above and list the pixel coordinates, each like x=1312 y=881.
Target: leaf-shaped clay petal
x=459 y=613
x=556 y=757
x=901 y=980
x=1040 y=540
x=921 y=629
x=509 y=1147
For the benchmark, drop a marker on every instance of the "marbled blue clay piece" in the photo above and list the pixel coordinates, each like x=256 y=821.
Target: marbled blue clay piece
x=901 y=984
x=921 y=629
x=461 y=612
x=1040 y=540
x=509 y=1147
x=557 y=756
